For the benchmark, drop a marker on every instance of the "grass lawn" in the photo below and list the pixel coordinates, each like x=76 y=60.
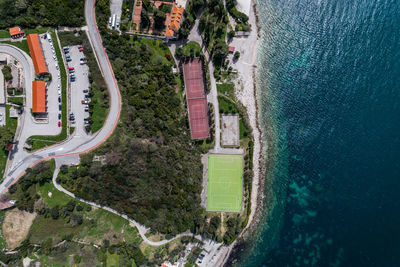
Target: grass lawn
x=16 y=100
x=226 y=106
x=161 y=50
x=38 y=30
x=100 y=112
x=225 y=183
x=226 y=89
x=23 y=45
x=112 y=260
x=44 y=141
x=3 y=244
x=3 y=161
x=12 y=124
x=192 y=46
x=4 y=34
x=57 y=197
x=98 y=224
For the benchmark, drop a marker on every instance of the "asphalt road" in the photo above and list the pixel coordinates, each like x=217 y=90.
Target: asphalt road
x=76 y=144
x=2 y=108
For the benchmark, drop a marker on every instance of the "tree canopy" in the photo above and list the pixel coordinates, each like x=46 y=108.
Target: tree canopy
x=31 y=13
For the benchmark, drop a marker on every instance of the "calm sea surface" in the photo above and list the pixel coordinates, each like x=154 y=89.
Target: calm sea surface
x=330 y=93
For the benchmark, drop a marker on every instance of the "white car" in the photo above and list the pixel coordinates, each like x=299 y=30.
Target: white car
x=58 y=74
x=59 y=91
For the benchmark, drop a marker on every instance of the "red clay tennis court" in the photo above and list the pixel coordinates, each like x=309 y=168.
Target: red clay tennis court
x=196 y=99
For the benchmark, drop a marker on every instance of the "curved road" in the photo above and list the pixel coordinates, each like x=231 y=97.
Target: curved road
x=75 y=145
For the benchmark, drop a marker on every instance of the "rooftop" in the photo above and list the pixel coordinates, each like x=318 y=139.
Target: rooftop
x=38 y=97
x=36 y=54
x=15 y=31
x=176 y=16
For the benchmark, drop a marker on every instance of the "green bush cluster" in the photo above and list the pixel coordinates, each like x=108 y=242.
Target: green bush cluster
x=152 y=170
x=237 y=15
x=31 y=13
x=189 y=16
x=212 y=26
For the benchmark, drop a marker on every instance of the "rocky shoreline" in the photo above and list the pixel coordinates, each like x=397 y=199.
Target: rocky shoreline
x=248 y=94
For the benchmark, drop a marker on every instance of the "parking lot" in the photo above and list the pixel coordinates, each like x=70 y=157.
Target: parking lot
x=54 y=95
x=79 y=88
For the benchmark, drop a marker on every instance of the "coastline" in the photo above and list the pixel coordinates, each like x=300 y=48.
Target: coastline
x=247 y=93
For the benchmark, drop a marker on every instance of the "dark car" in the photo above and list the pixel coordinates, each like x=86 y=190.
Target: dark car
x=59 y=99
x=59 y=116
x=59 y=107
x=85 y=91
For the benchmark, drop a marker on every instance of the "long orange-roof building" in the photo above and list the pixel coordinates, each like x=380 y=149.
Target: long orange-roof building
x=38 y=97
x=37 y=54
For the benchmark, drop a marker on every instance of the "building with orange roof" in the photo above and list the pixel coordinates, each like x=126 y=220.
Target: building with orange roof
x=38 y=97
x=175 y=22
x=37 y=54
x=16 y=32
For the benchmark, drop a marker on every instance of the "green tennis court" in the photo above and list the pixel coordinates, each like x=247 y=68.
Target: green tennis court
x=225 y=182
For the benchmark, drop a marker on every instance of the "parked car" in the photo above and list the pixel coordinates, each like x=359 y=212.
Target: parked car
x=86 y=110
x=69 y=60
x=59 y=99
x=72 y=79
x=71 y=68
x=59 y=123
x=59 y=107
x=84 y=101
x=59 y=91
x=85 y=91
x=59 y=116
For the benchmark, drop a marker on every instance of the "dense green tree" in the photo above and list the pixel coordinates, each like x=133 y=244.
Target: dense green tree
x=159 y=19
x=31 y=13
x=54 y=213
x=236 y=55
x=6 y=136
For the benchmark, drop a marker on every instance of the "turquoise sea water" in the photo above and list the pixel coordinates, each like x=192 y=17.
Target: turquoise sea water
x=330 y=93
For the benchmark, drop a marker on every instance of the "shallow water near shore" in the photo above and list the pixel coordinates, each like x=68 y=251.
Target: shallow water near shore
x=329 y=81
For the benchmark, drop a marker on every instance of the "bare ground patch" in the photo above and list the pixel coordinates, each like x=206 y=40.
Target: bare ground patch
x=16 y=227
